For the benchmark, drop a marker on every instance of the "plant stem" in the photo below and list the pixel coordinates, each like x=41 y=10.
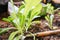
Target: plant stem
x=29 y=23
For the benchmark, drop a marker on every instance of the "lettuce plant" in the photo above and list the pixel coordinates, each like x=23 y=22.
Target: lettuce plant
x=23 y=18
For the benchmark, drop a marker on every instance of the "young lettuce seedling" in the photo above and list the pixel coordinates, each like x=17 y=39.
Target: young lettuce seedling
x=48 y=8
x=23 y=18
x=49 y=18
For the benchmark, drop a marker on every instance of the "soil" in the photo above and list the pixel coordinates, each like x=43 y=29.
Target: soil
x=4 y=15
x=41 y=27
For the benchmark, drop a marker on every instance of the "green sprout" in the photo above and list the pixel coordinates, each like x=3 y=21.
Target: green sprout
x=49 y=18
x=50 y=8
x=23 y=18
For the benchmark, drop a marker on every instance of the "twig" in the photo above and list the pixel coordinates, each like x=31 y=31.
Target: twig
x=45 y=33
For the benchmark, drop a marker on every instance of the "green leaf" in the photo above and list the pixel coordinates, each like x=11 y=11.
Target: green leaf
x=6 y=19
x=12 y=35
x=30 y=4
x=17 y=37
x=13 y=15
x=44 y=11
x=9 y=19
x=2 y=30
x=22 y=20
x=51 y=19
x=36 y=10
x=50 y=8
x=47 y=18
x=21 y=7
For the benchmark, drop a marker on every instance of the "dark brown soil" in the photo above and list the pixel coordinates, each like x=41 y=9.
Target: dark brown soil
x=4 y=14
x=35 y=28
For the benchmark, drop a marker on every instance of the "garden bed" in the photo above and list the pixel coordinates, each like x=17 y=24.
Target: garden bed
x=40 y=27
x=36 y=27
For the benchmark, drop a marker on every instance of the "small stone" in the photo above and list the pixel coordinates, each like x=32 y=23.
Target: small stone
x=55 y=27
